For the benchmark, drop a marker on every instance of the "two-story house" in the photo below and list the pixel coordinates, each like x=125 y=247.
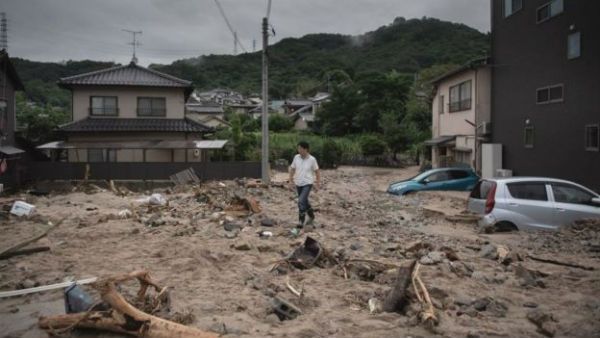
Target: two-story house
x=129 y=114
x=460 y=115
x=546 y=86
x=9 y=154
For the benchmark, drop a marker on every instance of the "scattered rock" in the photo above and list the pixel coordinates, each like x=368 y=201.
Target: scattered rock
x=375 y=305
x=489 y=251
x=529 y=278
x=462 y=269
x=268 y=222
x=272 y=319
x=545 y=322
x=356 y=246
x=242 y=246
x=230 y=226
x=433 y=257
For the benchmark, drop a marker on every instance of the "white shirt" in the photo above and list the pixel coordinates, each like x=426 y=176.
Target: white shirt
x=305 y=169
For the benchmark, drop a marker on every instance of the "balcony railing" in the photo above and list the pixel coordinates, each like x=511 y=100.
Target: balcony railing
x=103 y=111
x=151 y=111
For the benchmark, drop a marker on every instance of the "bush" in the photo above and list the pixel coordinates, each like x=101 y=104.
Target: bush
x=330 y=154
x=280 y=123
x=372 y=145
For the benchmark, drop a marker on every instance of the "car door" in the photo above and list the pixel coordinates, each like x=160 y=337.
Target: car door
x=436 y=181
x=530 y=204
x=460 y=180
x=572 y=203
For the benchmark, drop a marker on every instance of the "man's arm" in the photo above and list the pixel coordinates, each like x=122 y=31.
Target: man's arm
x=292 y=173
x=318 y=179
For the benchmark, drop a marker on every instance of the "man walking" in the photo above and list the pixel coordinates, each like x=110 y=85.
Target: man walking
x=304 y=173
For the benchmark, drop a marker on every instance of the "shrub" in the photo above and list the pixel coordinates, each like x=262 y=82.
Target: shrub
x=330 y=154
x=372 y=145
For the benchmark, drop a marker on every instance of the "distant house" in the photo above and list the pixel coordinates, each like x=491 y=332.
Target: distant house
x=10 y=166
x=546 y=86
x=303 y=111
x=461 y=115
x=291 y=105
x=129 y=114
x=209 y=114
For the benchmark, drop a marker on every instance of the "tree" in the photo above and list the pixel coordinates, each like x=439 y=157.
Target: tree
x=336 y=117
x=243 y=142
x=38 y=122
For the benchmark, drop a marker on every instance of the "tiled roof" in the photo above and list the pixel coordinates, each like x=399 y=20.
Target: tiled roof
x=138 y=124
x=129 y=75
x=198 y=108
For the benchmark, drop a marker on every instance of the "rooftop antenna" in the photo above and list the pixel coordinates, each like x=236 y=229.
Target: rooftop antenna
x=133 y=43
x=3 y=32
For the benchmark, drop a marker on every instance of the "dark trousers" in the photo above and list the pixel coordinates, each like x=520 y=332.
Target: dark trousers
x=303 y=203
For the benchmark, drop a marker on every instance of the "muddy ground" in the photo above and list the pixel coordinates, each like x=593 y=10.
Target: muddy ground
x=222 y=280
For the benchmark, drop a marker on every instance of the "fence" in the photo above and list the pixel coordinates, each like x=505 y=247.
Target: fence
x=140 y=170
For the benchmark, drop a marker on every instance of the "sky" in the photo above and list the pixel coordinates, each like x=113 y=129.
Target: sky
x=60 y=30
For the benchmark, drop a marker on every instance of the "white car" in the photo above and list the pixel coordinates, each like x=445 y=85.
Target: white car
x=532 y=202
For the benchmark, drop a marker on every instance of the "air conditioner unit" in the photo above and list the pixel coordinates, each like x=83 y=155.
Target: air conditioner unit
x=486 y=128
x=196 y=152
x=504 y=173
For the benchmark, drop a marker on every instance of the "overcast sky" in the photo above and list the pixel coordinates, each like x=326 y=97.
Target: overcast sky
x=56 y=30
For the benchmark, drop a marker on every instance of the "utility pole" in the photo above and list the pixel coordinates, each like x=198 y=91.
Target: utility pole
x=134 y=43
x=265 y=104
x=3 y=30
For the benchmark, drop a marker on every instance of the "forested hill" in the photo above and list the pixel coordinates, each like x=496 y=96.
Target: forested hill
x=298 y=66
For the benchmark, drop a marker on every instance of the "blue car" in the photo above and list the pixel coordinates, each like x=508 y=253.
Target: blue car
x=437 y=179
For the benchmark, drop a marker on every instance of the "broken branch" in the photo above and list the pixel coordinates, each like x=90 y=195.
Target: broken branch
x=124 y=317
x=292 y=289
x=555 y=262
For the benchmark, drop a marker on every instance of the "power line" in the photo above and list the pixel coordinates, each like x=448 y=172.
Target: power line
x=235 y=38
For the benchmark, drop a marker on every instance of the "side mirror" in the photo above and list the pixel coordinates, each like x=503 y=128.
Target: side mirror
x=596 y=201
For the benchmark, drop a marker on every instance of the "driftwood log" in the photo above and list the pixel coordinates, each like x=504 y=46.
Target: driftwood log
x=397 y=299
x=123 y=317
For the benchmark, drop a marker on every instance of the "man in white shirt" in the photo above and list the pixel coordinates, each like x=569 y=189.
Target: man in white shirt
x=304 y=173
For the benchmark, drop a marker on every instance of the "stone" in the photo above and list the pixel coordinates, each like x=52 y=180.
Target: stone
x=272 y=319
x=529 y=278
x=481 y=304
x=480 y=276
x=462 y=300
x=496 y=309
x=489 y=251
x=355 y=246
x=433 y=257
x=28 y=284
x=460 y=268
x=544 y=321
x=268 y=222
x=230 y=226
x=242 y=246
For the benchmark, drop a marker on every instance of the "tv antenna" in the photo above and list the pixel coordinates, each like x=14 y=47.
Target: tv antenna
x=133 y=43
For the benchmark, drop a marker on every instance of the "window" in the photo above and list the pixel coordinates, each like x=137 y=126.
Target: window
x=549 y=10
x=102 y=155
x=512 y=6
x=95 y=155
x=550 y=94
x=535 y=191
x=458 y=174
x=567 y=193
x=441 y=104
x=529 y=137
x=103 y=106
x=460 y=96
x=482 y=189
x=574 y=45
x=438 y=177
x=592 y=137
x=152 y=106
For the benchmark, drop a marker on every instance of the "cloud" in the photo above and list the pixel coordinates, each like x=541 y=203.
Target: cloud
x=174 y=29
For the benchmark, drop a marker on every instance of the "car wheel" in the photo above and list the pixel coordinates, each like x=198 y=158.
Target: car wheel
x=505 y=226
x=408 y=192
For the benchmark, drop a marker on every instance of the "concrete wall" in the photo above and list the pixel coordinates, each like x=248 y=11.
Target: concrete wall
x=528 y=56
x=127 y=100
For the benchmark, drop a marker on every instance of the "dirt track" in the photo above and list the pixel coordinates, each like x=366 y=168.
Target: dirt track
x=229 y=290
